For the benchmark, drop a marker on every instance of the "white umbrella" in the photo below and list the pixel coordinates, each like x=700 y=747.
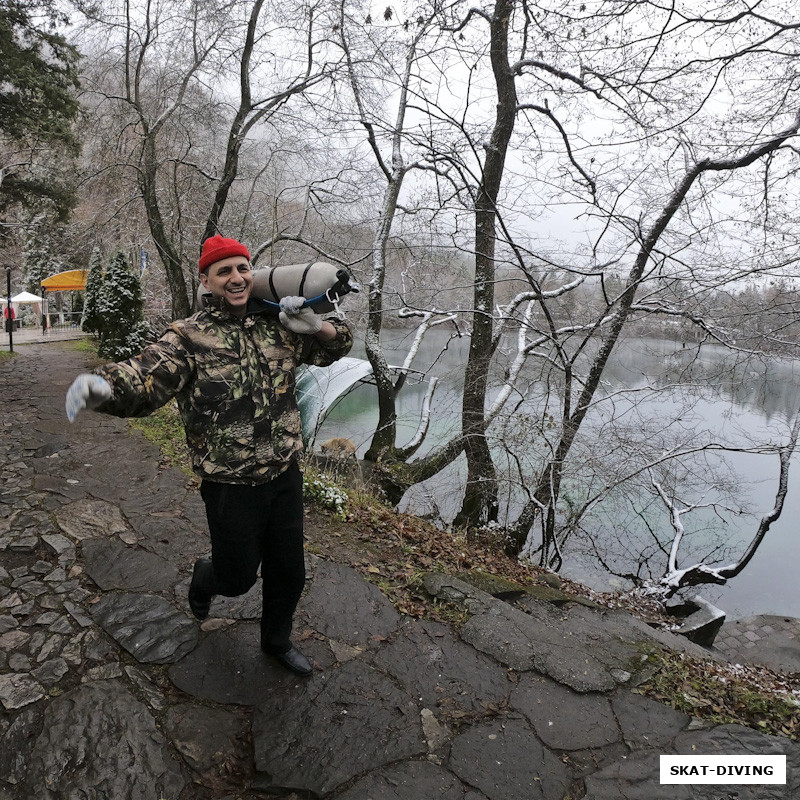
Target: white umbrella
x=26 y=297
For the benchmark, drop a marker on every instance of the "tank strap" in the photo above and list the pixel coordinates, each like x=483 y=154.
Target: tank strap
x=303 y=279
x=272 y=284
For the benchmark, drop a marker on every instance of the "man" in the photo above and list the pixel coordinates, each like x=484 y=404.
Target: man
x=231 y=368
x=9 y=314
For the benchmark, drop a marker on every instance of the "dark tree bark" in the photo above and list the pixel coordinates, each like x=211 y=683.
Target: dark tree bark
x=169 y=255
x=480 y=503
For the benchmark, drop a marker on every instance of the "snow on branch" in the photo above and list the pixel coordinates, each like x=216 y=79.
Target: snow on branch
x=519 y=361
x=424 y=421
x=506 y=312
x=429 y=320
x=700 y=573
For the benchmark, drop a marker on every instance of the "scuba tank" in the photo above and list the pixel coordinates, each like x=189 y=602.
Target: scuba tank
x=321 y=283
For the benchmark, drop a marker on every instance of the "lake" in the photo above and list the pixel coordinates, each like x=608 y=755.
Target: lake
x=715 y=395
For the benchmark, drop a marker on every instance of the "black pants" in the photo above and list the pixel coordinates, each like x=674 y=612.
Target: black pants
x=261 y=524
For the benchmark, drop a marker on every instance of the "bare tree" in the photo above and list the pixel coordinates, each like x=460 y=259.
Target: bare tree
x=624 y=171
x=392 y=56
x=167 y=59
x=543 y=502
x=666 y=252
x=676 y=577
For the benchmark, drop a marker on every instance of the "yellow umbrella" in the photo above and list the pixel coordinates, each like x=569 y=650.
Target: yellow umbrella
x=73 y=280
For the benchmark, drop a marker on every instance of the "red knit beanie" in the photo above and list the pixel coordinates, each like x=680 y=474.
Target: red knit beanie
x=218 y=247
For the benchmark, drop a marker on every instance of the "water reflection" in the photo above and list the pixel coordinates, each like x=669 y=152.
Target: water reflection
x=713 y=393
x=770 y=388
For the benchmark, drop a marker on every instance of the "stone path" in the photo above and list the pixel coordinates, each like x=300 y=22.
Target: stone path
x=770 y=640
x=110 y=689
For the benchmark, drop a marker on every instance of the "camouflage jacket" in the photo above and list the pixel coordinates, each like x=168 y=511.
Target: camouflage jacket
x=235 y=387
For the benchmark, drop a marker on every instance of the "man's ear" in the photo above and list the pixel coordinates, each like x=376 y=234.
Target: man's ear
x=204 y=280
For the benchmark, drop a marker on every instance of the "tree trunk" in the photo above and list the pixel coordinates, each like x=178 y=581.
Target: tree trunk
x=547 y=492
x=383 y=440
x=480 y=504
x=170 y=258
x=237 y=133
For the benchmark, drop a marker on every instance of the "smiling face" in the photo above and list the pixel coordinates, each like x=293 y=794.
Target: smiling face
x=231 y=280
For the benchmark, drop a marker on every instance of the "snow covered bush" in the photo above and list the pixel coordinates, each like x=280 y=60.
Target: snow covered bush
x=121 y=325
x=90 y=321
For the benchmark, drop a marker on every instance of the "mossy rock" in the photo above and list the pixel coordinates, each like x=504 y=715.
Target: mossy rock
x=549 y=594
x=560 y=598
x=505 y=589
x=551 y=579
x=495 y=585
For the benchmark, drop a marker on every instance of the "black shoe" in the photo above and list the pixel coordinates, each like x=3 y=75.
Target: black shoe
x=200 y=601
x=294 y=661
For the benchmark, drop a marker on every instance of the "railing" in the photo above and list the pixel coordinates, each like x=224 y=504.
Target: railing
x=55 y=320
x=62 y=319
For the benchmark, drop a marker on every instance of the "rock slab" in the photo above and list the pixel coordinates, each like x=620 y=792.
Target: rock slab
x=440 y=670
x=333 y=730
x=347 y=608
x=95 y=742
x=564 y=719
x=411 y=780
x=85 y=518
x=151 y=629
x=229 y=667
x=114 y=565
x=625 y=779
x=506 y=761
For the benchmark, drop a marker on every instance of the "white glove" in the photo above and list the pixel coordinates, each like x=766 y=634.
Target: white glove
x=291 y=304
x=296 y=318
x=87 y=391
